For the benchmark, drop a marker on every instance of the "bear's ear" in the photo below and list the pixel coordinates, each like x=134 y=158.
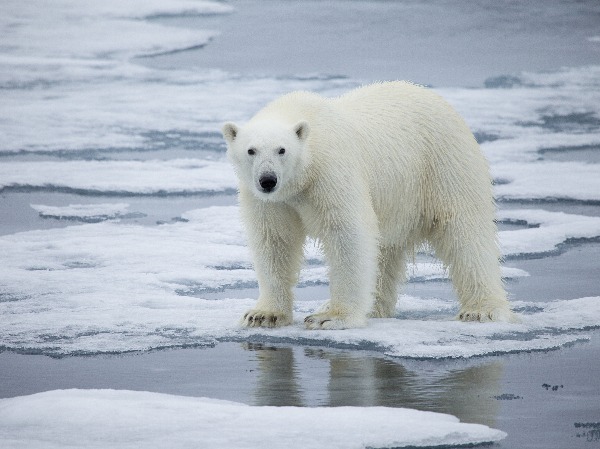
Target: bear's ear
x=230 y=131
x=302 y=129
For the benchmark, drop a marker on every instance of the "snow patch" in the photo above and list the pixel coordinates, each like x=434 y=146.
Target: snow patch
x=545 y=180
x=174 y=176
x=127 y=419
x=549 y=230
x=104 y=30
x=83 y=212
x=114 y=287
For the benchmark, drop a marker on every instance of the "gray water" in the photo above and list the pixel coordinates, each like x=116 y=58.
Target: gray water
x=440 y=42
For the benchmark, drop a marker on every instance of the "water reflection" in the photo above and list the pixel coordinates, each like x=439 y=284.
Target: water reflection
x=321 y=377
x=277 y=382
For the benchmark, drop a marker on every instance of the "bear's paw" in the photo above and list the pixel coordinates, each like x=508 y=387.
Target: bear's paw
x=265 y=318
x=502 y=314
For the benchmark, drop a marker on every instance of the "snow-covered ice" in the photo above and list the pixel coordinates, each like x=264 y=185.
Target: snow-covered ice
x=70 y=69
x=114 y=287
x=546 y=231
x=128 y=419
x=175 y=176
x=83 y=212
x=548 y=181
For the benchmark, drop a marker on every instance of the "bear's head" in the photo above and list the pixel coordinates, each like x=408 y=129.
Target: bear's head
x=269 y=157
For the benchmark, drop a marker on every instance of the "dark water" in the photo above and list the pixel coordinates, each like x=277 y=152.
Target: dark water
x=438 y=42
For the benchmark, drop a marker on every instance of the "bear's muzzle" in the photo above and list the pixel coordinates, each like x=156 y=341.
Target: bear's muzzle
x=268 y=182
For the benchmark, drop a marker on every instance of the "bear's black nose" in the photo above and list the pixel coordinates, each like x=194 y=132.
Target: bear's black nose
x=268 y=182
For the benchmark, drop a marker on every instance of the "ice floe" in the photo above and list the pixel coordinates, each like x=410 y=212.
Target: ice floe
x=548 y=181
x=69 y=69
x=103 y=30
x=128 y=419
x=83 y=212
x=173 y=176
x=546 y=232
x=114 y=287
x=544 y=180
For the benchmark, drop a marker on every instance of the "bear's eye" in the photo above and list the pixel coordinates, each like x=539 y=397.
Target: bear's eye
x=251 y=151
x=282 y=151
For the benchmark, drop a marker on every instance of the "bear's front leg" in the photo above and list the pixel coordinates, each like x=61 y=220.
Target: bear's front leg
x=275 y=238
x=351 y=248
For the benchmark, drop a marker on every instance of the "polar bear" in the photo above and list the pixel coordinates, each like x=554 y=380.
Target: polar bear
x=371 y=175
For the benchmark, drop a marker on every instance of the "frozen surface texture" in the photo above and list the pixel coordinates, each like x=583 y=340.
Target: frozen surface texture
x=176 y=176
x=113 y=287
x=83 y=212
x=127 y=419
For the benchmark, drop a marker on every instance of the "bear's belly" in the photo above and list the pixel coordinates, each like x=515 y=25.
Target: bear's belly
x=397 y=224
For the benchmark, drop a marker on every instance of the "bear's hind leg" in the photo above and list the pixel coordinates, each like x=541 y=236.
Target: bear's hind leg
x=471 y=254
x=391 y=272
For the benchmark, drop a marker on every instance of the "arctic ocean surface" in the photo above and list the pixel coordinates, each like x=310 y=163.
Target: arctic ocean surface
x=124 y=266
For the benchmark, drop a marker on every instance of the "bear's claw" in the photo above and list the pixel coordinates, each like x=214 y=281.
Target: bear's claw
x=311 y=323
x=262 y=318
x=330 y=321
x=483 y=316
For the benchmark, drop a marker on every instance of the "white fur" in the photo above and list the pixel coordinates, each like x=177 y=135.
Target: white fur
x=371 y=174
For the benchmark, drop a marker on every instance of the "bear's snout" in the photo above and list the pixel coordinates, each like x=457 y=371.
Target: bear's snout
x=267 y=182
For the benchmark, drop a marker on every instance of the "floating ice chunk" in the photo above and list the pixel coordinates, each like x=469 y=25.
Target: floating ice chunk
x=548 y=180
x=513 y=273
x=551 y=229
x=99 y=29
x=100 y=104
x=111 y=287
x=511 y=152
x=541 y=110
x=125 y=419
x=99 y=322
x=83 y=212
x=179 y=176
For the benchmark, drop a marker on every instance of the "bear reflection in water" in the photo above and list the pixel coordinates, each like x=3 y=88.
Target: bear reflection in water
x=293 y=376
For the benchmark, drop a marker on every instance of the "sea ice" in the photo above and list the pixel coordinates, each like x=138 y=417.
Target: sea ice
x=83 y=212
x=130 y=419
x=173 y=176
x=547 y=180
x=546 y=232
x=68 y=68
x=100 y=30
x=114 y=287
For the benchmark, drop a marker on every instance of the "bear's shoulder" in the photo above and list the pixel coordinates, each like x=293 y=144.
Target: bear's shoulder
x=293 y=107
